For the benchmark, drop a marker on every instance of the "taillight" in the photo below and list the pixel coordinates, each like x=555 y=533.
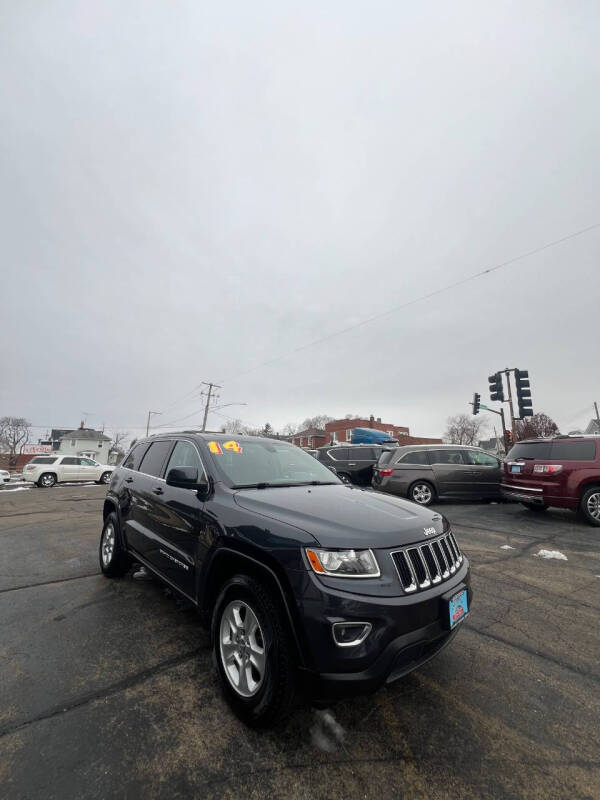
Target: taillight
x=547 y=469
x=385 y=472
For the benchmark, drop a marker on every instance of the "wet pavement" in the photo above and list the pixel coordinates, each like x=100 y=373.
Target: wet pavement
x=107 y=687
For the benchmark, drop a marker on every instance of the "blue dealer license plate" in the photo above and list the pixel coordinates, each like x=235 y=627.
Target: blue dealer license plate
x=458 y=608
x=515 y=468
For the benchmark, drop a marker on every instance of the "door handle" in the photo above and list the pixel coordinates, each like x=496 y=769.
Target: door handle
x=129 y=480
x=351 y=463
x=158 y=490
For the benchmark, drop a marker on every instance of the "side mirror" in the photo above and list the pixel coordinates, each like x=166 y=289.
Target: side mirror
x=186 y=478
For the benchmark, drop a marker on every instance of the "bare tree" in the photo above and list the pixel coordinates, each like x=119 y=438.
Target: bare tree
x=317 y=421
x=14 y=433
x=233 y=426
x=118 y=444
x=463 y=429
x=538 y=426
x=290 y=429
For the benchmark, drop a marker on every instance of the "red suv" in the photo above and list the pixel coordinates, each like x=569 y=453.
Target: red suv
x=562 y=472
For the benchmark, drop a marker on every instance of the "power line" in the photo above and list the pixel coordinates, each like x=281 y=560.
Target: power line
x=419 y=299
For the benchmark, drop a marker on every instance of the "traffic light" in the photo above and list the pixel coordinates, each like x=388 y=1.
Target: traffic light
x=523 y=393
x=496 y=388
x=476 y=403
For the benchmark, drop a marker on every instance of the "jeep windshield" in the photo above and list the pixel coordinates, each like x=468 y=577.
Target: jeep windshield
x=263 y=464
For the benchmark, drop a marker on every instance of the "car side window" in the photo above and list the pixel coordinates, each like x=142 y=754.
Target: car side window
x=68 y=461
x=418 y=457
x=135 y=456
x=360 y=453
x=479 y=459
x=184 y=455
x=87 y=462
x=339 y=453
x=154 y=458
x=447 y=457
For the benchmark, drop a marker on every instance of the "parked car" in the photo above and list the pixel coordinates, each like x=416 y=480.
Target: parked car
x=352 y=463
x=308 y=586
x=4 y=476
x=48 y=470
x=562 y=472
x=426 y=472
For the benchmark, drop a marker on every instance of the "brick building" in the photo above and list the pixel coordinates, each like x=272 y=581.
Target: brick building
x=340 y=430
x=311 y=438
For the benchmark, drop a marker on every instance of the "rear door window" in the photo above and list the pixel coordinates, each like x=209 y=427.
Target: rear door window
x=133 y=459
x=418 y=457
x=573 y=451
x=447 y=457
x=529 y=450
x=69 y=462
x=155 y=456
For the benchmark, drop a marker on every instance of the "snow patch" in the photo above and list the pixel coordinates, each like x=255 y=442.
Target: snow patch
x=551 y=554
x=327 y=734
x=506 y=547
x=17 y=489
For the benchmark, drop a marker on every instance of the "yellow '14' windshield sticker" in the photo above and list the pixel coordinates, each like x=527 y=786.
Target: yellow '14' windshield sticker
x=217 y=449
x=233 y=446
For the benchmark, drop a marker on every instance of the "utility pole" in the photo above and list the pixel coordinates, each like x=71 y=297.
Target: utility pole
x=211 y=386
x=148 y=422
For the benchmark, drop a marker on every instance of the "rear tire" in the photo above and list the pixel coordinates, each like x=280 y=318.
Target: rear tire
x=422 y=493
x=253 y=652
x=589 y=505
x=46 y=480
x=114 y=559
x=535 y=507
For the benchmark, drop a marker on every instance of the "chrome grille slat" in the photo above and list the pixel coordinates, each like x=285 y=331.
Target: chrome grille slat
x=426 y=564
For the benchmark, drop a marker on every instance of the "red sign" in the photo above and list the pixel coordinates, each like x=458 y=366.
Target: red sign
x=36 y=449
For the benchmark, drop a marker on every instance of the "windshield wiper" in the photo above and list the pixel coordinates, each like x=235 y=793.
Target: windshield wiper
x=266 y=485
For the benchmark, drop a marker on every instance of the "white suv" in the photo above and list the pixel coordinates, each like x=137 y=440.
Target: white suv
x=48 y=470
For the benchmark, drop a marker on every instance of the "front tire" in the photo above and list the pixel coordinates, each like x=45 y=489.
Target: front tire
x=422 y=493
x=590 y=505
x=253 y=652
x=46 y=480
x=105 y=477
x=114 y=559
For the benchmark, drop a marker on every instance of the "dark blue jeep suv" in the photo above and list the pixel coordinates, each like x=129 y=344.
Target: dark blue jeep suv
x=310 y=586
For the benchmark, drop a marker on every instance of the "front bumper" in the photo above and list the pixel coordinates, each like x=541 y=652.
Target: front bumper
x=407 y=631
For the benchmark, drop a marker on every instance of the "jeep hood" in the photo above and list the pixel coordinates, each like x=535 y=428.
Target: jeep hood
x=343 y=516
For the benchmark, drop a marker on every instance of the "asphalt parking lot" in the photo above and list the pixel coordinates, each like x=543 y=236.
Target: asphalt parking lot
x=107 y=688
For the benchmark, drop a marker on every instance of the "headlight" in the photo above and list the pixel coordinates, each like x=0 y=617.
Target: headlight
x=343 y=563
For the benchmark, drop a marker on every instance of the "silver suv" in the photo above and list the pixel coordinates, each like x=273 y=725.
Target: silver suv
x=425 y=472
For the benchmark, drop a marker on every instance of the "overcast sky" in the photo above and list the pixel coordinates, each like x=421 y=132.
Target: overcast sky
x=190 y=189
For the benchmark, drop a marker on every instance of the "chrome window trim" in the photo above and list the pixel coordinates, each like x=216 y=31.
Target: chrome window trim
x=172 y=441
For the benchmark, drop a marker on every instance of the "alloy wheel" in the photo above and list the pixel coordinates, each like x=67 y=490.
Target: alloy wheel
x=593 y=505
x=105 y=477
x=242 y=648
x=108 y=544
x=422 y=494
x=47 y=480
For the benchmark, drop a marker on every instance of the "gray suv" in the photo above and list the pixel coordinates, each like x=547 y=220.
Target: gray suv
x=424 y=472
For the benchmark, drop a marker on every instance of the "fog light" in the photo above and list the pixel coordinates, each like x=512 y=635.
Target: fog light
x=350 y=634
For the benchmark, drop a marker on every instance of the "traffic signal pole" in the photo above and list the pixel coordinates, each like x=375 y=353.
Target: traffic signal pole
x=510 y=405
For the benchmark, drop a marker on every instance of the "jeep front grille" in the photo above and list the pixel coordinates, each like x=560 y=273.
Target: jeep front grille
x=427 y=564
